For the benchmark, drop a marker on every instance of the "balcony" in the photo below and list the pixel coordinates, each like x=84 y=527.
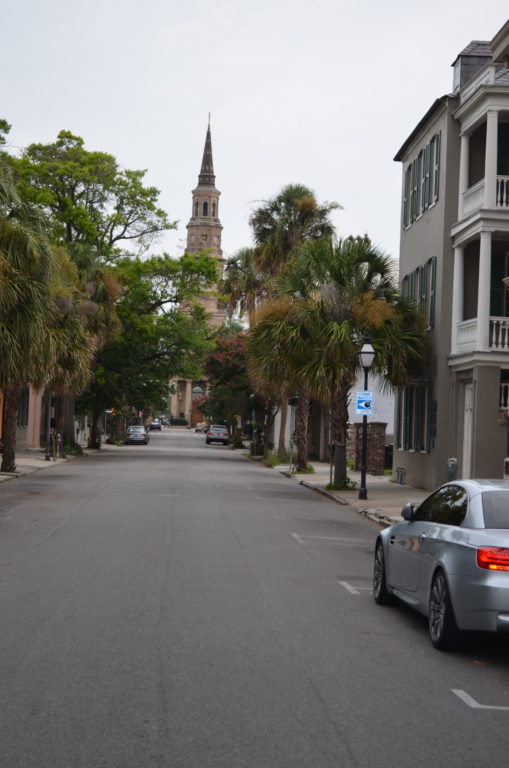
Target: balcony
x=498 y=335
x=473 y=197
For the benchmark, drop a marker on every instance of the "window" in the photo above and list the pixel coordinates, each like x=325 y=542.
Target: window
x=414 y=417
x=214 y=210
x=196 y=209
x=422 y=181
x=205 y=209
x=436 y=169
x=420 y=286
x=447 y=506
x=406 y=197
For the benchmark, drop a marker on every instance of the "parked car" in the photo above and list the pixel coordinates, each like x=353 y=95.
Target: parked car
x=217 y=433
x=136 y=434
x=156 y=424
x=449 y=559
x=201 y=426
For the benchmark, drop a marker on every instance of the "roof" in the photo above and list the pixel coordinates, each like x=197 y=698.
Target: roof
x=431 y=111
x=476 y=48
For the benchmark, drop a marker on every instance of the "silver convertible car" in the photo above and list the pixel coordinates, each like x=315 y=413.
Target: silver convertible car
x=449 y=559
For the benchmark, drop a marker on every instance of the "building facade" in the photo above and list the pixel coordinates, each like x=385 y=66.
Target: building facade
x=203 y=233
x=454 y=262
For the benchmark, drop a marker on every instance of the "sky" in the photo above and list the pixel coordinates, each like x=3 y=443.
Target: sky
x=320 y=93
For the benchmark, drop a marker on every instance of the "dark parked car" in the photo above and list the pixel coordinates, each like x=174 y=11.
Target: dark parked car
x=217 y=433
x=136 y=435
x=449 y=559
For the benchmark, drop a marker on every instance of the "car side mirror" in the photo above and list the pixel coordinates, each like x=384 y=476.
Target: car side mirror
x=407 y=513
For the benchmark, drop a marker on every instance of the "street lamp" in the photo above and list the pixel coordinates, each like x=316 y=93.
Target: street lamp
x=366 y=356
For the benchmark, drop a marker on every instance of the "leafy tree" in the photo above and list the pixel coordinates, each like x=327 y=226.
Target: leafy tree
x=226 y=374
x=157 y=339
x=90 y=200
x=101 y=213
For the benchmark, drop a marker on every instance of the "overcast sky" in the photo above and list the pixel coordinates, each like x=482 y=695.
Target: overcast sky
x=321 y=93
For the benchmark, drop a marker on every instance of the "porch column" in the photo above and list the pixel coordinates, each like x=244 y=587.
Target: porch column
x=457 y=296
x=464 y=169
x=490 y=165
x=483 y=295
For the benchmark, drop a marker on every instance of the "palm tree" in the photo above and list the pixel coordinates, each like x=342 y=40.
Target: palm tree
x=283 y=222
x=337 y=293
x=280 y=226
x=244 y=286
x=35 y=336
x=26 y=306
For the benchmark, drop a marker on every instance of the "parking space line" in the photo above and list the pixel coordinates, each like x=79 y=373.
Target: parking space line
x=331 y=538
x=354 y=590
x=472 y=703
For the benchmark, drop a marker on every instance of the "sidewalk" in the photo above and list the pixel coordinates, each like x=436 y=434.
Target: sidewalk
x=385 y=498
x=30 y=460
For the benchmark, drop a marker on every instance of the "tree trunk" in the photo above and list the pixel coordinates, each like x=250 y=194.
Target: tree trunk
x=301 y=428
x=339 y=431
x=94 y=440
x=281 y=447
x=64 y=418
x=10 y=417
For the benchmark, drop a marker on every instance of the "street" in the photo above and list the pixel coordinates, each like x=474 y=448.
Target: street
x=177 y=605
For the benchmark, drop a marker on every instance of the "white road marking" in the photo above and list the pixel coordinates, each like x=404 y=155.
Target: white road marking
x=297 y=538
x=472 y=703
x=353 y=590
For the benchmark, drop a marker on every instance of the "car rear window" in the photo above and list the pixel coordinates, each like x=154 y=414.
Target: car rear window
x=495 y=505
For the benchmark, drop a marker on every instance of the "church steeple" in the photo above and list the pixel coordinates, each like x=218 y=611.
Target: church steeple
x=204 y=227
x=206 y=177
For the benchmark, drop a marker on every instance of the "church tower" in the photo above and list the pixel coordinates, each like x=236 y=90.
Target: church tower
x=204 y=228
x=203 y=234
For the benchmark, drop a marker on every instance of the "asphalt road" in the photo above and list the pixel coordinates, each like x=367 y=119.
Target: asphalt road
x=177 y=605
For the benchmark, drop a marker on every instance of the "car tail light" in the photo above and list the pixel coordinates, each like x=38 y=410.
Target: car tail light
x=493 y=558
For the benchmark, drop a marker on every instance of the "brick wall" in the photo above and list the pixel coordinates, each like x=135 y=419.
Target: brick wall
x=375 y=444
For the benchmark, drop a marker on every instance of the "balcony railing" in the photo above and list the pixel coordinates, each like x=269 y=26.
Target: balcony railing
x=498 y=335
x=502 y=199
x=473 y=197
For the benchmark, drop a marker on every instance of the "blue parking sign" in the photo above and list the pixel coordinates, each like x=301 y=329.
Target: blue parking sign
x=364 y=403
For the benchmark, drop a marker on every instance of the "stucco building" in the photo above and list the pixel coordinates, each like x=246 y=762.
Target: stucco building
x=454 y=262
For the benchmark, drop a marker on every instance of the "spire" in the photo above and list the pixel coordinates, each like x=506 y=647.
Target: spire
x=206 y=177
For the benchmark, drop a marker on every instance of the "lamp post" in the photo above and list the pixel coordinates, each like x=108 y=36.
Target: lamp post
x=366 y=356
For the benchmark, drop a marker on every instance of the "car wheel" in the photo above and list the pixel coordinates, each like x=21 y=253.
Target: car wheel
x=381 y=594
x=443 y=629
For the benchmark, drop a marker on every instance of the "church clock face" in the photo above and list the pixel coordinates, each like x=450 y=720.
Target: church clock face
x=204 y=238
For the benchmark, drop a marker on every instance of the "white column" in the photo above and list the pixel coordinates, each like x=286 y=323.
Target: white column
x=483 y=295
x=490 y=166
x=457 y=296
x=464 y=170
